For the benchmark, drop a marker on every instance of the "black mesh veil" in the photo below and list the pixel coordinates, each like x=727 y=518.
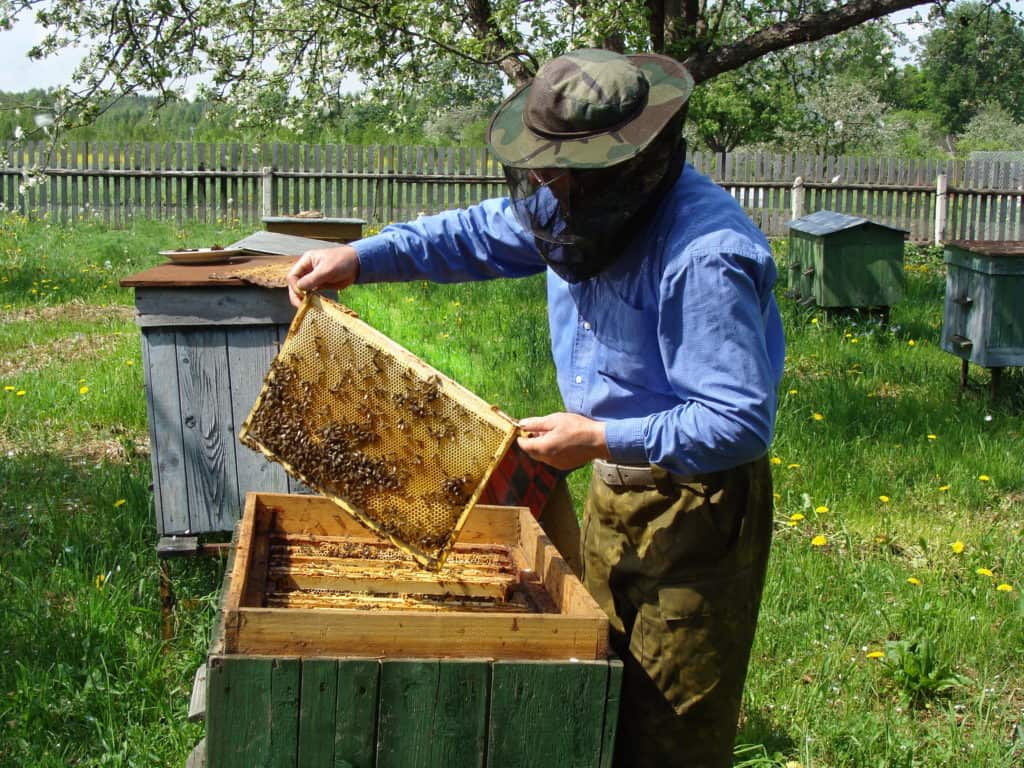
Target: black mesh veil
x=581 y=219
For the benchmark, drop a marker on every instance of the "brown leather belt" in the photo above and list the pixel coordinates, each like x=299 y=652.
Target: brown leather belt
x=632 y=475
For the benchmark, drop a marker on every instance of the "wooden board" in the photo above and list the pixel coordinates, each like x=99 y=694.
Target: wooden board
x=411 y=713
x=198 y=275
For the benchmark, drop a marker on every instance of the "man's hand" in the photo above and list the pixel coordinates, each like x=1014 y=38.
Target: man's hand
x=323 y=268
x=563 y=440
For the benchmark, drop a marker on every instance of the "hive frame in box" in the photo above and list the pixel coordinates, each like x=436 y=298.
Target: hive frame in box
x=401 y=409
x=578 y=631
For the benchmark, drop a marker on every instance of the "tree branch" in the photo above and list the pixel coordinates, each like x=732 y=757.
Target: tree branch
x=803 y=29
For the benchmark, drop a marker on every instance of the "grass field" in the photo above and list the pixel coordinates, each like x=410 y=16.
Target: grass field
x=892 y=629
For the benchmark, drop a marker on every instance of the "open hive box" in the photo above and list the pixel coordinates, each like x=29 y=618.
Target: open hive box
x=307 y=580
x=390 y=440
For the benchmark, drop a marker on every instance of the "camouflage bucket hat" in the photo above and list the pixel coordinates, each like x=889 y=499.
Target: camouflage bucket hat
x=588 y=109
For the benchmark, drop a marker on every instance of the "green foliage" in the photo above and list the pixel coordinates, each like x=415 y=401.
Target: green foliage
x=992 y=128
x=970 y=57
x=917 y=671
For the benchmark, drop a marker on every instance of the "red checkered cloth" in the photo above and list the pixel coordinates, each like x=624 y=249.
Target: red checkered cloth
x=520 y=481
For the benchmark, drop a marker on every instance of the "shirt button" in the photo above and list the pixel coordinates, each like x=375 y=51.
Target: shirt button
x=579 y=379
x=586 y=326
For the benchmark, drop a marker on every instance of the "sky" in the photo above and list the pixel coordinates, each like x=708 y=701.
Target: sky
x=18 y=73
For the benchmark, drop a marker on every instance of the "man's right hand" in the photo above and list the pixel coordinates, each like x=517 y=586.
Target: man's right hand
x=332 y=268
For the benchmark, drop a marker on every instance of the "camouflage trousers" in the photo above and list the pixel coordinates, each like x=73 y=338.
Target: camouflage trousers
x=679 y=568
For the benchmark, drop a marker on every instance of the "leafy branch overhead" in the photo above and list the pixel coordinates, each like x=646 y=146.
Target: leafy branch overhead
x=272 y=59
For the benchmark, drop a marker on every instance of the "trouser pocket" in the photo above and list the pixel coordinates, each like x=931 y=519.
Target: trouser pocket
x=693 y=640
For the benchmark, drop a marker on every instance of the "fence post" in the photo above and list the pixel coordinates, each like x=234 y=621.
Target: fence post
x=941 y=188
x=798 y=197
x=268 y=191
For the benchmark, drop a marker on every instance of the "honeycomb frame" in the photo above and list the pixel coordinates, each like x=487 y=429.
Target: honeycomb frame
x=395 y=443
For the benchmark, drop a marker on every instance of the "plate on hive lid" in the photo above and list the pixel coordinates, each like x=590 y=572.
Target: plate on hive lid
x=200 y=255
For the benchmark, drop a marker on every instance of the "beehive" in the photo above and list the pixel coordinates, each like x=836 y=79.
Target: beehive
x=392 y=441
x=983 y=320
x=499 y=658
x=838 y=260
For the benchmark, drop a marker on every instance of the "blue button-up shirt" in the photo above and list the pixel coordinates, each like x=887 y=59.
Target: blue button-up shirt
x=677 y=347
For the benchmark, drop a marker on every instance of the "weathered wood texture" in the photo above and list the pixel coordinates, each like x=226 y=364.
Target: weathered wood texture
x=227 y=182
x=983 y=316
x=206 y=351
x=411 y=713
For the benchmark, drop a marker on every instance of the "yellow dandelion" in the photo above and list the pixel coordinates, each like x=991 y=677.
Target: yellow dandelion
x=818 y=417
x=821 y=509
x=984 y=572
x=876 y=655
x=99 y=580
x=1005 y=588
x=814 y=321
x=914 y=580
x=854 y=341
x=984 y=478
x=20 y=393
x=83 y=389
x=944 y=488
x=911 y=343
x=884 y=499
x=120 y=502
x=819 y=541
x=933 y=437
x=796 y=516
x=129 y=362
x=792 y=466
x=848 y=335
x=792 y=391
x=8 y=388
x=957 y=547
x=776 y=460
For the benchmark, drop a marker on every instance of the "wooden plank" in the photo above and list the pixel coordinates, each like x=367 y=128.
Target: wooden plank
x=355 y=736
x=74 y=181
x=553 y=709
x=496 y=587
x=432 y=714
x=167 y=450
x=420 y=634
x=317 y=706
x=166 y=307
x=208 y=430
x=613 y=695
x=240 y=717
x=285 y=688
x=197 y=702
x=197 y=757
x=251 y=350
x=317 y=515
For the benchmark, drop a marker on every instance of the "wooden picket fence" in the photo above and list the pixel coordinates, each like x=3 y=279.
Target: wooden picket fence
x=117 y=182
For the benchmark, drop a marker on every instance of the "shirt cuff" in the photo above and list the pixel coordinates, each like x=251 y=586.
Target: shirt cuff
x=625 y=440
x=375 y=259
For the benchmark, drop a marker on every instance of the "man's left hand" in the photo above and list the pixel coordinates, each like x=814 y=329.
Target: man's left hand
x=563 y=440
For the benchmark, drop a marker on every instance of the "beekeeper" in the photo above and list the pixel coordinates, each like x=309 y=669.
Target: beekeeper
x=668 y=347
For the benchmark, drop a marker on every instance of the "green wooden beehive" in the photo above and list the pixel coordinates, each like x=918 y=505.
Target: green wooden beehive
x=329 y=651
x=983 y=320
x=845 y=261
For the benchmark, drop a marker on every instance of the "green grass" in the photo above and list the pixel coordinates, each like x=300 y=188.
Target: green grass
x=851 y=662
